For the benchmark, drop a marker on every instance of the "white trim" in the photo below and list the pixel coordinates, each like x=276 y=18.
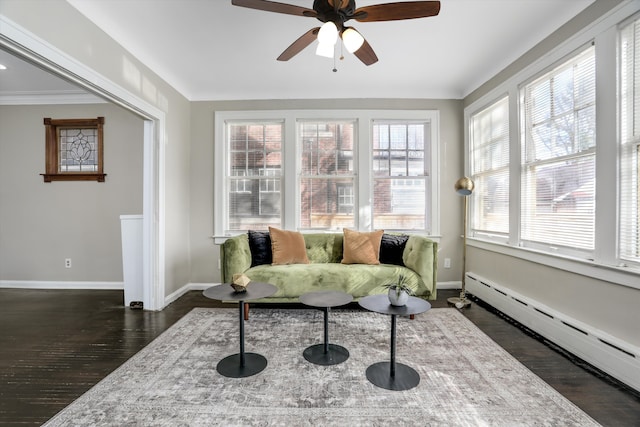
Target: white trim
x=42 y=284
x=65 y=97
x=186 y=288
x=614 y=356
x=452 y=284
x=364 y=120
x=27 y=45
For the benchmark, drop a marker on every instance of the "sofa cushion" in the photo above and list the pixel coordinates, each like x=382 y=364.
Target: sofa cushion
x=287 y=247
x=361 y=247
x=260 y=245
x=392 y=247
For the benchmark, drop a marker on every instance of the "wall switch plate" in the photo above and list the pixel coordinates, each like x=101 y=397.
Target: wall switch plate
x=447 y=263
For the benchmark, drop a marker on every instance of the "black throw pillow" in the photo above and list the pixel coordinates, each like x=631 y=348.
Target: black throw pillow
x=260 y=246
x=391 y=248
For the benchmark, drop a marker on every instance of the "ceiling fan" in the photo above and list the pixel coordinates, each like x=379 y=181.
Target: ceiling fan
x=334 y=14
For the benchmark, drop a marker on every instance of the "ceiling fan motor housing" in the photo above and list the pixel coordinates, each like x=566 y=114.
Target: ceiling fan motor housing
x=327 y=12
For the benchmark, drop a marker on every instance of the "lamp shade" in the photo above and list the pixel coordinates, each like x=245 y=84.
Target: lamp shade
x=325 y=49
x=328 y=33
x=352 y=39
x=464 y=186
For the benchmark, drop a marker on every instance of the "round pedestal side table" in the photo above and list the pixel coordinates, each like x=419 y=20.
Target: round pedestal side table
x=326 y=353
x=391 y=375
x=242 y=364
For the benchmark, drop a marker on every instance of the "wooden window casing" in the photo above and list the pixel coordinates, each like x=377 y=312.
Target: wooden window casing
x=54 y=171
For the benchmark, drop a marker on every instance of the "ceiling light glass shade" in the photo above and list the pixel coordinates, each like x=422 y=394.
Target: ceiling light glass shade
x=328 y=33
x=464 y=186
x=352 y=40
x=325 y=49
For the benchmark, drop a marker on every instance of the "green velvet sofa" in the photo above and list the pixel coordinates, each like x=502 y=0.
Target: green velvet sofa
x=326 y=272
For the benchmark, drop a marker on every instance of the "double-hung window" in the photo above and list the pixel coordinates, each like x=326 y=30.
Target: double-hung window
x=629 y=160
x=489 y=165
x=326 y=170
x=558 y=158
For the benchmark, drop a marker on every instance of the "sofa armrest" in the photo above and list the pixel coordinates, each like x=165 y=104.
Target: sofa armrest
x=421 y=255
x=235 y=256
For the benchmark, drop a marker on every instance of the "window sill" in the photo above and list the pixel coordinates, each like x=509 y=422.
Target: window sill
x=99 y=177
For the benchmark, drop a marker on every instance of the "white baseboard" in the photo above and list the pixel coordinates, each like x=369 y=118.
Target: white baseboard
x=617 y=358
x=41 y=284
x=186 y=288
x=449 y=285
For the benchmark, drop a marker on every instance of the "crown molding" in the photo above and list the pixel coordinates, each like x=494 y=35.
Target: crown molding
x=49 y=98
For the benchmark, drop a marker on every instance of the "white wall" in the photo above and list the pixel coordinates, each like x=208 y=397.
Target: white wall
x=41 y=223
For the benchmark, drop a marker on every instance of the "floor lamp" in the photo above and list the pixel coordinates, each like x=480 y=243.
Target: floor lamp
x=464 y=187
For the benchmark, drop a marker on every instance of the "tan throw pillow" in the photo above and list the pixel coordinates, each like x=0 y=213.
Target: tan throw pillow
x=361 y=248
x=287 y=247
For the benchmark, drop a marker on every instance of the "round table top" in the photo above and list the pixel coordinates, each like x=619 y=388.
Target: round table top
x=326 y=298
x=381 y=304
x=255 y=290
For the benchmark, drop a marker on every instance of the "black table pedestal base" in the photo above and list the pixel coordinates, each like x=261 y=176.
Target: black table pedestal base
x=231 y=367
x=334 y=354
x=405 y=378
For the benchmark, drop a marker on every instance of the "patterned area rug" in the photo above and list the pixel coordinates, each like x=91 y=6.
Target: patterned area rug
x=466 y=379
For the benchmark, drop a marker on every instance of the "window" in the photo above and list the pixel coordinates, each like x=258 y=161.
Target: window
x=74 y=150
x=558 y=157
x=400 y=174
x=629 y=229
x=327 y=174
x=489 y=162
x=254 y=166
x=325 y=170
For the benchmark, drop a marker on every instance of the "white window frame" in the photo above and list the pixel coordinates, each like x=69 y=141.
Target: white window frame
x=291 y=167
x=604 y=264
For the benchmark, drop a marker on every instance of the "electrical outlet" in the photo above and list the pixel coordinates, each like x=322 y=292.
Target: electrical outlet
x=67 y=263
x=447 y=263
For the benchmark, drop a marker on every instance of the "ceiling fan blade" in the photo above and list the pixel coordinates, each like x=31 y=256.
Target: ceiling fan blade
x=397 y=11
x=296 y=47
x=272 y=6
x=366 y=54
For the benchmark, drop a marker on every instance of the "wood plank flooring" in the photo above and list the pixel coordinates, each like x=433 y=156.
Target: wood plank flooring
x=56 y=344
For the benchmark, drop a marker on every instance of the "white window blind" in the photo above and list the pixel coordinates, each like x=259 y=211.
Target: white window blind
x=629 y=224
x=400 y=174
x=558 y=157
x=255 y=161
x=489 y=163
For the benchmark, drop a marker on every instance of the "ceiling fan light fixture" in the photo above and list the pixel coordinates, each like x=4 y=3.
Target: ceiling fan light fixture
x=328 y=33
x=352 y=39
x=325 y=49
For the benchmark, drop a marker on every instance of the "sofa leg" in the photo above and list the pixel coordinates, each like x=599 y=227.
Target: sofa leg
x=246 y=311
x=412 y=316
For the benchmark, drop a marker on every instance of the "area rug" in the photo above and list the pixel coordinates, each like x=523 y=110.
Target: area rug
x=465 y=378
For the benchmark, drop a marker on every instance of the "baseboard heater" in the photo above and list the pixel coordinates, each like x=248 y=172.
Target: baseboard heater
x=617 y=358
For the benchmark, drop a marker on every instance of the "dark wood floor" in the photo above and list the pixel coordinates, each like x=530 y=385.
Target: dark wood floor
x=55 y=345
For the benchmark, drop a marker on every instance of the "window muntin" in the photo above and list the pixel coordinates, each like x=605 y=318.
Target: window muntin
x=558 y=157
x=400 y=149
x=255 y=162
x=629 y=157
x=489 y=163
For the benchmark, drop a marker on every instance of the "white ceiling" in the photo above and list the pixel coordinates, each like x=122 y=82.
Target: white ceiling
x=212 y=50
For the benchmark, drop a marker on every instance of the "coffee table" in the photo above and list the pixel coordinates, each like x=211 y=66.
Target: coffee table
x=326 y=354
x=391 y=375
x=242 y=364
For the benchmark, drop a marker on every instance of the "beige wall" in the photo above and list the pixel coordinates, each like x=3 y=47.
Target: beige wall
x=41 y=223
x=204 y=254
x=603 y=305
x=90 y=46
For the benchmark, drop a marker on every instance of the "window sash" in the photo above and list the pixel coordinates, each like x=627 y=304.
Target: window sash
x=629 y=160
x=489 y=147
x=558 y=158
